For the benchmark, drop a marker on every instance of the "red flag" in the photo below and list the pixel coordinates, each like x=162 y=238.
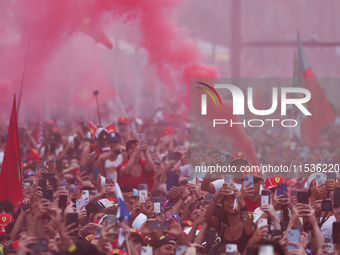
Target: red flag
x=110 y=128
x=96 y=79
x=93 y=129
x=38 y=134
x=11 y=176
x=318 y=106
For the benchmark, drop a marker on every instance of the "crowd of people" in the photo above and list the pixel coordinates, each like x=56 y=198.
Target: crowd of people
x=128 y=189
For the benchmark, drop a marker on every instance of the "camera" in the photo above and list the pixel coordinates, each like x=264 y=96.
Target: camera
x=327 y=204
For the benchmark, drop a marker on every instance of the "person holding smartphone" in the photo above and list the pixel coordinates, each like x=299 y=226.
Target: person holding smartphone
x=134 y=170
x=111 y=159
x=234 y=225
x=280 y=206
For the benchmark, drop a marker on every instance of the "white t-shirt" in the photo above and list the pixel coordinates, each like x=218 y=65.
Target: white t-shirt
x=110 y=167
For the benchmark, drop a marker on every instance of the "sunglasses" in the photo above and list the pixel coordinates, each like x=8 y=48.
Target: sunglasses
x=177 y=217
x=30 y=174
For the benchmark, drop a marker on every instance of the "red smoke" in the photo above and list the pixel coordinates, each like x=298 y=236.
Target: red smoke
x=47 y=25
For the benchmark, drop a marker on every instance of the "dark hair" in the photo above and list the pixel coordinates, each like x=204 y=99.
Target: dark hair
x=126 y=189
x=9 y=227
x=195 y=149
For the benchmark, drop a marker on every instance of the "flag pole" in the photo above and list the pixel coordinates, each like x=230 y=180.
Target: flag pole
x=95 y=93
x=23 y=74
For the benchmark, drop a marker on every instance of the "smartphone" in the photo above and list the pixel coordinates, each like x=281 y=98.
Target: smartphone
x=336 y=197
x=62 y=202
x=293 y=235
x=80 y=204
x=95 y=172
x=171 y=180
x=62 y=186
x=190 y=251
x=281 y=189
x=108 y=181
x=89 y=169
x=229 y=179
x=276 y=232
x=210 y=237
x=25 y=207
x=331 y=176
x=231 y=249
x=265 y=249
x=171 y=155
x=83 y=169
x=336 y=232
x=59 y=165
x=157 y=204
x=52 y=148
x=53 y=183
x=85 y=194
x=72 y=218
x=328 y=241
x=141 y=138
x=302 y=197
x=48 y=194
x=42 y=184
x=146 y=250
x=248 y=179
x=98 y=230
x=40 y=245
x=180 y=249
x=110 y=219
x=265 y=197
x=319 y=180
x=225 y=158
x=27 y=183
x=262 y=222
x=159 y=225
x=192 y=180
x=142 y=192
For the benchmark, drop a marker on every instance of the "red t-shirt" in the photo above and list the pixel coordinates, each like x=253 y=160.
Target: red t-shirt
x=130 y=180
x=252 y=205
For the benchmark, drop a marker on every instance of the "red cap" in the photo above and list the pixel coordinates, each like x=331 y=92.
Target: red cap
x=118 y=251
x=15 y=244
x=273 y=180
x=136 y=231
x=188 y=222
x=239 y=155
x=123 y=119
x=168 y=130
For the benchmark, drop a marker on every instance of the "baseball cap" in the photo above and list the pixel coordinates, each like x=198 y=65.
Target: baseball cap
x=102 y=136
x=273 y=180
x=130 y=142
x=163 y=240
x=114 y=136
x=118 y=251
x=80 y=248
x=239 y=155
x=123 y=119
x=137 y=233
